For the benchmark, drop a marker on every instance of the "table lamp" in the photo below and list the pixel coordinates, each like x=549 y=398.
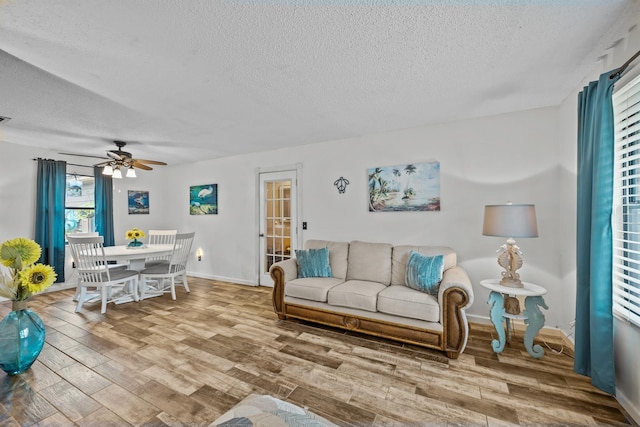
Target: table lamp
x=510 y=221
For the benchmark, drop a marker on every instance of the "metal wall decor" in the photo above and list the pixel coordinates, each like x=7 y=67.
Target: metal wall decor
x=341 y=183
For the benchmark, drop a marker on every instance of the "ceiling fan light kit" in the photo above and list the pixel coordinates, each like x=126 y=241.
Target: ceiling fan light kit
x=122 y=159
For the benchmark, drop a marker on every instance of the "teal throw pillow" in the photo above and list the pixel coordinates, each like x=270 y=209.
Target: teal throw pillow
x=424 y=273
x=313 y=263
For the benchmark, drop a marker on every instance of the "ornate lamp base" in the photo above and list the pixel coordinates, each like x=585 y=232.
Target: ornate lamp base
x=509 y=258
x=512 y=283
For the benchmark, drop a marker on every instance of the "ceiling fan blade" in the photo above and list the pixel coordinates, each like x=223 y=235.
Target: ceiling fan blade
x=151 y=162
x=142 y=166
x=103 y=163
x=114 y=155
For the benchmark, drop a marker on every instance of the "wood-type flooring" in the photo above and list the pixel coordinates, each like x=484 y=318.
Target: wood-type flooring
x=185 y=362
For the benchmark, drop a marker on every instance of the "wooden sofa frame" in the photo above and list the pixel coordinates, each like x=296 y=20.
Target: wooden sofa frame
x=450 y=340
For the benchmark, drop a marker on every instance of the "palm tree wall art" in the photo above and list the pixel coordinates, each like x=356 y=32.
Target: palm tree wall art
x=410 y=187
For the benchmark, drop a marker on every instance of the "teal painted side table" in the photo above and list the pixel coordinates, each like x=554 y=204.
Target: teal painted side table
x=532 y=316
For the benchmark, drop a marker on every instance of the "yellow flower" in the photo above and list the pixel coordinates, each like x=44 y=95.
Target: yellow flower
x=18 y=252
x=134 y=233
x=22 y=278
x=38 y=277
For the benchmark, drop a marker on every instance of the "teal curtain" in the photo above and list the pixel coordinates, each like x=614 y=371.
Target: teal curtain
x=49 y=229
x=104 y=206
x=594 y=317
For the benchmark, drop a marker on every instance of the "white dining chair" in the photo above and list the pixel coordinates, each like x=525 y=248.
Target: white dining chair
x=96 y=281
x=160 y=237
x=111 y=266
x=85 y=234
x=161 y=278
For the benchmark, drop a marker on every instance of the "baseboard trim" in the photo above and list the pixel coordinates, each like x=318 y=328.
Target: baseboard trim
x=629 y=406
x=221 y=278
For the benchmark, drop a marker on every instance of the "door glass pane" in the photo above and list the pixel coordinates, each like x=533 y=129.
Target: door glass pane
x=278 y=221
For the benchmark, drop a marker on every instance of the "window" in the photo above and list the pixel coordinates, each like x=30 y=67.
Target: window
x=79 y=212
x=626 y=203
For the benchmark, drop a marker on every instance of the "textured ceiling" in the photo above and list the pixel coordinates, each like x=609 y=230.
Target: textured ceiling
x=198 y=79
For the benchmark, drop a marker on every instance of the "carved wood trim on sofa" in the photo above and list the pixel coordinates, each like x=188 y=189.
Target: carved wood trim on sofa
x=450 y=340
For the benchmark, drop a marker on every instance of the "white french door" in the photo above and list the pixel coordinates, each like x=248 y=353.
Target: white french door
x=278 y=220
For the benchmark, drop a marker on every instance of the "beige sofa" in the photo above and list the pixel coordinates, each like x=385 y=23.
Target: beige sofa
x=367 y=294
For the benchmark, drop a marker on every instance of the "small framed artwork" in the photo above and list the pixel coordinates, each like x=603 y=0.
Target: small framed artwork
x=203 y=199
x=410 y=187
x=138 y=202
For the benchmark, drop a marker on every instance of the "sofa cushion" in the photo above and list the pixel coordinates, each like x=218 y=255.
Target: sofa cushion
x=370 y=262
x=313 y=262
x=311 y=288
x=358 y=294
x=400 y=258
x=402 y=301
x=424 y=273
x=338 y=254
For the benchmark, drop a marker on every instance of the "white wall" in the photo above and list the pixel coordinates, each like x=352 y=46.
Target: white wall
x=17 y=191
x=512 y=157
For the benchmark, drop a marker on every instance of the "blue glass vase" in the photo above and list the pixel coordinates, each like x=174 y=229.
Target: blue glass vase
x=135 y=243
x=22 y=337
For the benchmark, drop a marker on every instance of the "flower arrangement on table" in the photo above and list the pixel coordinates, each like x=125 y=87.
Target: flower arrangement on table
x=24 y=277
x=134 y=234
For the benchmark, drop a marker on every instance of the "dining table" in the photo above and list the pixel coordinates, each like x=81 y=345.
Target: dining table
x=136 y=256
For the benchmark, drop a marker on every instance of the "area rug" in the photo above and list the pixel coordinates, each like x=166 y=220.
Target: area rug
x=262 y=410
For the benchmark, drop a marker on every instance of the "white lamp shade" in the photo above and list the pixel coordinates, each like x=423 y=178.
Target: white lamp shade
x=117 y=173
x=131 y=173
x=510 y=221
x=107 y=170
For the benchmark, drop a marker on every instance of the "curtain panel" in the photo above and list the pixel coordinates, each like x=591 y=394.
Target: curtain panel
x=49 y=227
x=104 y=206
x=594 y=318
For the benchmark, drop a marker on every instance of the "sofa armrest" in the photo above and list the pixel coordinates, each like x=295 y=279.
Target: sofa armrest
x=281 y=273
x=289 y=270
x=454 y=296
x=456 y=277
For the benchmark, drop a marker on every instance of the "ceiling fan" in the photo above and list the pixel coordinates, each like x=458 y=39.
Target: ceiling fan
x=123 y=159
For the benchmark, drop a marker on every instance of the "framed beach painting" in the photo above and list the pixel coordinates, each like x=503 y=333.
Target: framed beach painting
x=409 y=187
x=203 y=199
x=138 y=202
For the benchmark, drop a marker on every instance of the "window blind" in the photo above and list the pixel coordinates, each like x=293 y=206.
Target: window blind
x=626 y=202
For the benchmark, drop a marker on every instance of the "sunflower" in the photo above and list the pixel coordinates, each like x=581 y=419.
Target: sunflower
x=18 y=252
x=135 y=233
x=38 y=277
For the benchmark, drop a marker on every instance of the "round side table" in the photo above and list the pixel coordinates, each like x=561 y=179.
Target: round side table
x=532 y=316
